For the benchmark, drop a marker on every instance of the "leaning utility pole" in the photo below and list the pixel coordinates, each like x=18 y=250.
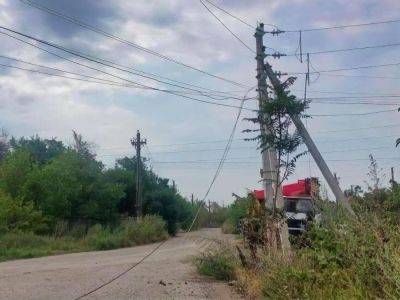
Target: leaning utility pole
x=270 y=164
x=137 y=143
x=312 y=148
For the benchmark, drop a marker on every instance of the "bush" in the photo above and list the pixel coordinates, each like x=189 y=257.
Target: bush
x=220 y=263
x=129 y=233
x=18 y=216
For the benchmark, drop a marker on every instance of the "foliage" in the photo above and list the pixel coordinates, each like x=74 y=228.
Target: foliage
x=274 y=117
x=236 y=212
x=15 y=170
x=14 y=245
x=374 y=174
x=42 y=151
x=4 y=143
x=339 y=257
x=163 y=203
x=220 y=263
x=16 y=216
x=48 y=188
x=149 y=229
x=73 y=188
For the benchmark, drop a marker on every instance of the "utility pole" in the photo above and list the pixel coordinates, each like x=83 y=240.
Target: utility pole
x=192 y=199
x=392 y=177
x=269 y=160
x=137 y=143
x=312 y=148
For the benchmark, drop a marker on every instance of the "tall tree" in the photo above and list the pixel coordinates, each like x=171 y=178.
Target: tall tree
x=275 y=115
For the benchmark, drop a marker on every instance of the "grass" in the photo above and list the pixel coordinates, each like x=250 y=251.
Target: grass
x=339 y=258
x=17 y=245
x=219 y=263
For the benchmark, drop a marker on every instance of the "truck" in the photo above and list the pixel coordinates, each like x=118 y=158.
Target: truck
x=298 y=203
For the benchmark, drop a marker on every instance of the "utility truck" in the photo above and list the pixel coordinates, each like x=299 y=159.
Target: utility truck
x=299 y=199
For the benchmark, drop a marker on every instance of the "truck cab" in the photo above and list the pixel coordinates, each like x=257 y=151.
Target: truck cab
x=298 y=211
x=298 y=203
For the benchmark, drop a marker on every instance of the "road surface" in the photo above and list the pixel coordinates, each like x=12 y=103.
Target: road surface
x=166 y=274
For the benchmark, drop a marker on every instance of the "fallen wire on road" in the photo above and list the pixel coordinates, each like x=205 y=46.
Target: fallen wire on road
x=122 y=273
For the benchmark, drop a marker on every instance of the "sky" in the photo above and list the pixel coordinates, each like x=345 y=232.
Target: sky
x=185 y=138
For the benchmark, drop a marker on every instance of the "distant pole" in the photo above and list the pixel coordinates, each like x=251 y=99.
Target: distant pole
x=137 y=143
x=192 y=199
x=209 y=206
x=392 y=177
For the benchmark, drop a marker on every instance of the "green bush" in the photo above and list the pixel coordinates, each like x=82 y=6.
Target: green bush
x=18 y=216
x=220 y=263
x=129 y=233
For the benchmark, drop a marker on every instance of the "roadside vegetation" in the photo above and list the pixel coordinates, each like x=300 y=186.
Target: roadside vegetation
x=340 y=257
x=56 y=198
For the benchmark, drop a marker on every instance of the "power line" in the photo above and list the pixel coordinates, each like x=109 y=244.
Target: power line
x=361 y=76
x=139 y=85
x=255 y=162
x=225 y=140
x=57 y=75
x=122 y=273
x=348 y=49
x=96 y=60
x=346 y=26
x=355 y=114
x=233 y=16
x=227 y=28
x=348 y=69
x=121 y=40
x=357 y=129
x=222 y=161
x=110 y=82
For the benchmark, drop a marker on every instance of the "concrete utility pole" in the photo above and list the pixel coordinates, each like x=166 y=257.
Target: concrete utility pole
x=326 y=172
x=137 y=143
x=269 y=161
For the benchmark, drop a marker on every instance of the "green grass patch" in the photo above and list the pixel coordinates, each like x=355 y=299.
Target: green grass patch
x=219 y=263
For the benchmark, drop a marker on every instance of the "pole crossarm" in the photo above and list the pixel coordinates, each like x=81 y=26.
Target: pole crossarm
x=137 y=143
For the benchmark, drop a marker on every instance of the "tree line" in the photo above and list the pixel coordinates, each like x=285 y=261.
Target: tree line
x=44 y=181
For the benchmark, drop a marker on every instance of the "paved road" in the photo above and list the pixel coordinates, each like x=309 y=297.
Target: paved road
x=167 y=274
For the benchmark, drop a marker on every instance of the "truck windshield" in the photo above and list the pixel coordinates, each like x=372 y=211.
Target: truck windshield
x=298 y=205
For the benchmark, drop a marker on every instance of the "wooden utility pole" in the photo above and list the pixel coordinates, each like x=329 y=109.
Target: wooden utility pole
x=137 y=143
x=312 y=148
x=270 y=164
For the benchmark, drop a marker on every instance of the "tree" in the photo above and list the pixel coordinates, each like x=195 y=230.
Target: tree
x=15 y=170
x=374 y=174
x=354 y=191
x=41 y=150
x=275 y=115
x=4 y=144
x=74 y=188
x=16 y=215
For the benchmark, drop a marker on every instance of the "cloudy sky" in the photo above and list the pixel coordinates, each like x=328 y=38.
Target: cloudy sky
x=186 y=138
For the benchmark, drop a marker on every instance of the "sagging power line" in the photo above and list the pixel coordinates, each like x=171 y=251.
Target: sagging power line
x=124 y=41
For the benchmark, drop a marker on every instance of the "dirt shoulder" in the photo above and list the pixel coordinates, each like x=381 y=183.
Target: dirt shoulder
x=166 y=274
